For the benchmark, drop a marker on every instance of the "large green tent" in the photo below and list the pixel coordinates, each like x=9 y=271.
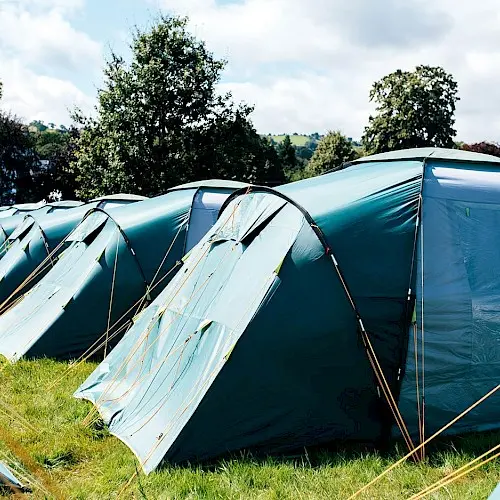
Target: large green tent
x=270 y=338
x=32 y=246
x=113 y=260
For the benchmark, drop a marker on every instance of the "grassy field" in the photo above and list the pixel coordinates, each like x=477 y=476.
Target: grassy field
x=297 y=140
x=87 y=462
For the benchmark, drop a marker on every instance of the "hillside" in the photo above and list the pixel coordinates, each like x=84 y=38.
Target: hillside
x=297 y=140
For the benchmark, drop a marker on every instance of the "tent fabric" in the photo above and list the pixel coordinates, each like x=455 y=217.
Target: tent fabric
x=456 y=155
x=8 y=478
x=113 y=258
x=8 y=224
x=495 y=494
x=9 y=210
x=256 y=344
x=38 y=235
x=458 y=258
x=121 y=197
x=260 y=306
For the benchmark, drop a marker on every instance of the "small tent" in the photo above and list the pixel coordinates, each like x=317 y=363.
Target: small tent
x=8 y=224
x=269 y=339
x=113 y=260
x=33 y=242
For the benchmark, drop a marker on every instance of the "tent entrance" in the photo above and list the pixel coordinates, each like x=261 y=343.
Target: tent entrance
x=456 y=356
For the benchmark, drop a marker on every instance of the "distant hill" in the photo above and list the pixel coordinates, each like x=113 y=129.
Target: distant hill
x=301 y=140
x=297 y=140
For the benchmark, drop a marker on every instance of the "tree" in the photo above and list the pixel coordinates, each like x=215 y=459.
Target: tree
x=160 y=120
x=488 y=148
x=18 y=161
x=414 y=109
x=55 y=149
x=333 y=150
x=286 y=153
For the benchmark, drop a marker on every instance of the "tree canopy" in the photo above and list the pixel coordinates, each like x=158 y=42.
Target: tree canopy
x=18 y=159
x=160 y=121
x=413 y=109
x=488 y=148
x=332 y=151
x=55 y=149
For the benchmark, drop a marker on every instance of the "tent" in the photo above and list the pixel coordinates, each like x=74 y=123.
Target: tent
x=8 y=478
x=9 y=223
x=21 y=208
x=114 y=259
x=270 y=338
x=34 y=239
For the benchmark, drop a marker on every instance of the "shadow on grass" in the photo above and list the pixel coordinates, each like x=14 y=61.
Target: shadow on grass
x=338 y=453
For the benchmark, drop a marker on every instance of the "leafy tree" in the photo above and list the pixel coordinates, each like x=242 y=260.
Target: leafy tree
x=332 y=151
x=161 y=122
x=488 y=148
x=38 y=125
x=55 y=149
x=286 y=153
x=18 y=161
x=414 y=109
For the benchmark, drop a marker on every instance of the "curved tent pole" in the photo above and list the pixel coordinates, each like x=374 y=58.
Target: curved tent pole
x=372 y=357
x=125 y=237
x=4 y=306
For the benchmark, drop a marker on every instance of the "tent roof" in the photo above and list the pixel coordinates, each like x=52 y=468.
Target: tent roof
x=434 y=153
x=64 y=203
x=120 y=196
x=211 y=183
x=23 y=206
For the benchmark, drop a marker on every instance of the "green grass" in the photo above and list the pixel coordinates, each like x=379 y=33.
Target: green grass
x=89 y=463
x=297 y=140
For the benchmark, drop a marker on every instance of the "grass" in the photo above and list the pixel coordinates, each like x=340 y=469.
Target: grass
x=88 y=463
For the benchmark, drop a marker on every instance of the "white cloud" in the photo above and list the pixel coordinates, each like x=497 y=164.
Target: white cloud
x=310 y=65
x=41 y=56
x=37 y=97
x=306 y=66
x=39 y=33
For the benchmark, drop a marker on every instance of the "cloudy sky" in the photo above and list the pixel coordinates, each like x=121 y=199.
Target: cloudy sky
x=307 y=66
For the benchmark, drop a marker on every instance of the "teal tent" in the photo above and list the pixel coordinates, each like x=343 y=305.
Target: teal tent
x=264 y=340
x=9 y=223
x=34 y=239
x=113 y=260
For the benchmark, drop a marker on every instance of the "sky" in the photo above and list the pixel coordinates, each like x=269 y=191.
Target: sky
x=306 y=66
